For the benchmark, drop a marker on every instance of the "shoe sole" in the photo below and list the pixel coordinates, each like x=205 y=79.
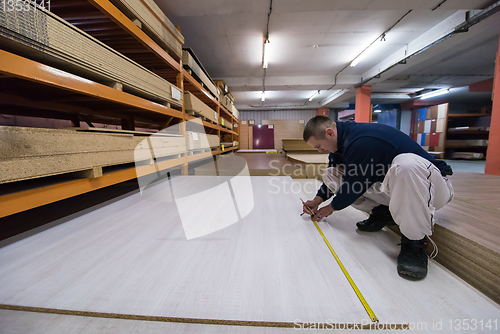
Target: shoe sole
x=410 y=274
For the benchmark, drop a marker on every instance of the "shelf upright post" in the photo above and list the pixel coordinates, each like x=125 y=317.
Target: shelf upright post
x=182 y=128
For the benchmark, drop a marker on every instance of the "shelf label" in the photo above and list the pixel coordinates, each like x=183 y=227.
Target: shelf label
x=176 y=93
x=215 y=115
x=195 y=136
x=243 y=122
x=301 y=121
x=235 y=125
x=270 y=126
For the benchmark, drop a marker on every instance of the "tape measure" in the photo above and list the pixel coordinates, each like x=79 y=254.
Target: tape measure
x=353 y=285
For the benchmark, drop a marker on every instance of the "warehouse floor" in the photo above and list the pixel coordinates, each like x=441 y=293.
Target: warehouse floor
x=130 y=259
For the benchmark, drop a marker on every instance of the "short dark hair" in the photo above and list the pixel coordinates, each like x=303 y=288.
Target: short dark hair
x=316 y=127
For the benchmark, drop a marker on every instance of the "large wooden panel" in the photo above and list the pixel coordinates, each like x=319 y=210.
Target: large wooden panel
x=131 y=257
x=244 y=136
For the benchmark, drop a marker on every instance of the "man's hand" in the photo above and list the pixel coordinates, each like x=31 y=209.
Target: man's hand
x=322 y=213
x=311 y=206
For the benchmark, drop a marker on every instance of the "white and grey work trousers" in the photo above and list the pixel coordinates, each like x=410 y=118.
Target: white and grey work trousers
x=413 y=188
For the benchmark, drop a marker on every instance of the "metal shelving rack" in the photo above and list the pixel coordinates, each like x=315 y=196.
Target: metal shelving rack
x=29 y=88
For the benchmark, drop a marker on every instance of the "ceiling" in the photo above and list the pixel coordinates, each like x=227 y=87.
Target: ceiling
x=312 y=43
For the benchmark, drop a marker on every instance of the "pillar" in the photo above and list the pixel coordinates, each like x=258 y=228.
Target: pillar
x=493 y=152
x=323 y=111
x=363 y=110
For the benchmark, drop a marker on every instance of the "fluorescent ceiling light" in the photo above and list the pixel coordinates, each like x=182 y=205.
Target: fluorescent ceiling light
x=314 y=95
x=377 y=110
x=263 y=98
x=265 y=57
x=368 y=51
x=434 y=93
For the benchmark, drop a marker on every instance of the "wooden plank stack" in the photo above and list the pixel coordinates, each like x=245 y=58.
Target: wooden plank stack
x=28 y=153
x=154 y=23
x=196 y=106
x=190 y=61
x=46 y=37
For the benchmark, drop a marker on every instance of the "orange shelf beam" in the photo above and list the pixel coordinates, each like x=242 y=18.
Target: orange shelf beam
x=126 y=24
x=20 y=67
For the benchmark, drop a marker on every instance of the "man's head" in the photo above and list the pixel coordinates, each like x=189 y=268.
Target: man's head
x=321 y=133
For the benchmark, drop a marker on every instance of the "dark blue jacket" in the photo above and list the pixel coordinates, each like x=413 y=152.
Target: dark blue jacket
x=366 y=151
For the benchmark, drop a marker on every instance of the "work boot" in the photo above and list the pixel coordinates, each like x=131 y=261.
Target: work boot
x=412 y=260
x=380 y=217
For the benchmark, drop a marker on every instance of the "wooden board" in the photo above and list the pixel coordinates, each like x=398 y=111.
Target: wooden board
x=28 y=153
x=243 y=136
x=284 y=129
x=131 y=257
x=34 y=322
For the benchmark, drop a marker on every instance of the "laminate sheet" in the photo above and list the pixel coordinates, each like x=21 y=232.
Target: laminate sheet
x=132 y=257
x=370 y=258
x=15 y=322
x=190 y=60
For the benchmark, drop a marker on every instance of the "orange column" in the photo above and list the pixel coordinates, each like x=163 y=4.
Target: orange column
x=323 y=111
x=493 y=152
x=363 y=111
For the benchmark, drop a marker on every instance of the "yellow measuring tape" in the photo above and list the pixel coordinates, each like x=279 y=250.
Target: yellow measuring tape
x=354 y=287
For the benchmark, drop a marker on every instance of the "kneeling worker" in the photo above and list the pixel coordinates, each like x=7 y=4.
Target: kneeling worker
x=380 y=170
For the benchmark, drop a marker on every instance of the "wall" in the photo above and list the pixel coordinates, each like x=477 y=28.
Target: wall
x=259 y=115
x=405 y=121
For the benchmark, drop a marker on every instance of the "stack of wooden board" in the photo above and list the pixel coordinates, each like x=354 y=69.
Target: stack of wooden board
x=28 y=153
x=235 y=112
x=285 y=128
x=225 y=123
x=430 y=128
x=460 y=143
x=196 y=140
x=154 y=23
x=45 y=37
x=194 y=66
x=195 y=106
x=297 y=145
x=225 y=96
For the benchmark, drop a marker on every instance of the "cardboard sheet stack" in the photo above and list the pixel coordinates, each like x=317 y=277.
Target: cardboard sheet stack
x=154 y=22
x=28 y=153
x=191 y=62
x=57 y=43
